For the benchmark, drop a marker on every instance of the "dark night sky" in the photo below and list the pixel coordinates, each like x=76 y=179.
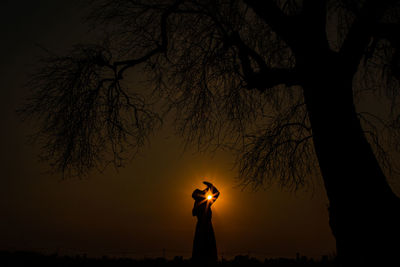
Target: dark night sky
x=144 y=207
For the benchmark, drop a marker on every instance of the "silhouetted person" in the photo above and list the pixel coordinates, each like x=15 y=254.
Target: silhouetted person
x=204 y=245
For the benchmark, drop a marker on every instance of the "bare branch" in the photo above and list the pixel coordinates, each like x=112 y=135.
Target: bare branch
x=282 y=24
x=161 y=47
x=282 y=153
x=360 y=33
x=314 y=17
x=266 y=77
x=86 y=121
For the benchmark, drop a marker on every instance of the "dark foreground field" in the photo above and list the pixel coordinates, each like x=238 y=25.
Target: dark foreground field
x=22 y=258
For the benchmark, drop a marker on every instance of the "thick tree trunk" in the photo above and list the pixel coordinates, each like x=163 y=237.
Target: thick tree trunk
x=363 y=209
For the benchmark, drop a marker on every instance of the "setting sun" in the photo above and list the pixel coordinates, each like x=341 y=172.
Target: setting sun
x=209 y=197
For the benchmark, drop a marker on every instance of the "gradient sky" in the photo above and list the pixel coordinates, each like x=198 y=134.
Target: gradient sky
x=141 y=209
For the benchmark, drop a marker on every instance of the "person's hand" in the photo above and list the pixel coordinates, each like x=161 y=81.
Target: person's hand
x=209 y=185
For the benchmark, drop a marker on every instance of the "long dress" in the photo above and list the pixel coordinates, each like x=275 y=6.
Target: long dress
x=204 y=244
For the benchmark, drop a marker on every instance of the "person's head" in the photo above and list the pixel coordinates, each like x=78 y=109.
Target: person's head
x=197 y=194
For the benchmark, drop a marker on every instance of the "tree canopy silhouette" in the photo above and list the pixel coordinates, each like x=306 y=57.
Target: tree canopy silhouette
x=277 y=81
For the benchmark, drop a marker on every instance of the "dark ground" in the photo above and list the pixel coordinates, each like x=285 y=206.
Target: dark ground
x=23 y=258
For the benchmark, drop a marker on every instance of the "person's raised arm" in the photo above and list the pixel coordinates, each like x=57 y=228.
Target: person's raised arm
x=215 y=192
x=212 y=188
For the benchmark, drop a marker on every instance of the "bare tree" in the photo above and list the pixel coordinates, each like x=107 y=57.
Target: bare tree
x=277 y=81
